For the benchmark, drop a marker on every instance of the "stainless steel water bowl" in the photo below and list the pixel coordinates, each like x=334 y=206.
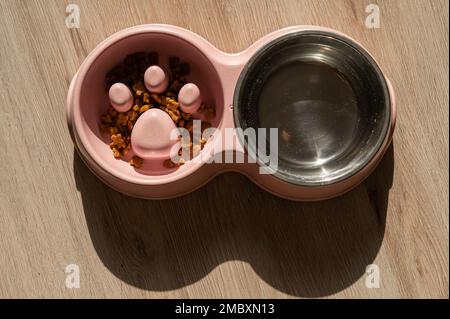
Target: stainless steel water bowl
x=327 y=97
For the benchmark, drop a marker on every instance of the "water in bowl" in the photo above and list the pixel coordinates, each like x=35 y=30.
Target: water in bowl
x=315 y=110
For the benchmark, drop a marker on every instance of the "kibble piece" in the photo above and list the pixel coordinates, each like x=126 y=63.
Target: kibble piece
x=104 y=127
x=144 y=108
x=116 y=152
x=136 y=161
x=122 y=119
x=156 y=98
x=174 y=117
x=132 y=115
x=170 y=103
x=117 y=140
x=139 y=102
x=112 y=112
x=146 y=97
x=205 y=125
x=170 y=164
x=285 y=136
x=189 y=126
x=139 y=88
x=185 y=116
x=208 y=111
x=113 y=130
x=176 y=86
x=126 y=149
x=107 y=118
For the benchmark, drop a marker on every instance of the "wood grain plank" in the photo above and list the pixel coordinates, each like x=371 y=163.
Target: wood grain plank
x=228 y=239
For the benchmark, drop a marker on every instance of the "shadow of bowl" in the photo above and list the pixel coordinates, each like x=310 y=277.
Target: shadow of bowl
x=302 y=249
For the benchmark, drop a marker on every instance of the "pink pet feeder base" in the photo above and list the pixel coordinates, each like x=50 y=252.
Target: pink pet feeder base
x=216 y=74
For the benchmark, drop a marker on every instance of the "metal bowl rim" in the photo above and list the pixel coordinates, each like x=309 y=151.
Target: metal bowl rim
x=346 y=41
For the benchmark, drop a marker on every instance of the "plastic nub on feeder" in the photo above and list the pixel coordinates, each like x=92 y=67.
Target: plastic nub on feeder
x=120 y=97
x=154 y=136
x=155 y=79
x=189 y=98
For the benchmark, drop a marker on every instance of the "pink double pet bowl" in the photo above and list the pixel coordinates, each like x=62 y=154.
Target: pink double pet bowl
x=331 y=103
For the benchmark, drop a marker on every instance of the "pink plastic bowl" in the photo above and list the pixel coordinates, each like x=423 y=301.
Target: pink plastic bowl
x=216 y=74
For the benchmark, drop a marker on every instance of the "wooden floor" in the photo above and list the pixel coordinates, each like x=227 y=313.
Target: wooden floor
x=228 y=239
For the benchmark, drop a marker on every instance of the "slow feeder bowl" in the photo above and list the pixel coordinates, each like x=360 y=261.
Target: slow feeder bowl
x=331 y=103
